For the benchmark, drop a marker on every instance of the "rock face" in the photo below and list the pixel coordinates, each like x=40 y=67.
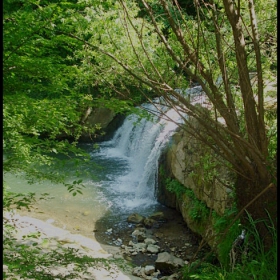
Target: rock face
x=105 y=119
x=188 y=161
x=194 y=166
x=99 y=125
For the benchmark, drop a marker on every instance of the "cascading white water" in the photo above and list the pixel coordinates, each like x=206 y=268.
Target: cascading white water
x=139 y=144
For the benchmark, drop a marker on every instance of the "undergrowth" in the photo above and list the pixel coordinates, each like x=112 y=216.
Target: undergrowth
x=198 y=210
x=255 y=263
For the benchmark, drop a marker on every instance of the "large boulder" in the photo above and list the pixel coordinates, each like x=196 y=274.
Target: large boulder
x=168 y=263
x=103 y=121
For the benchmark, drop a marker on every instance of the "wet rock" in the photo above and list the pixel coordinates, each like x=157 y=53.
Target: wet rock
x=154 y=249
x=135 y=218
x=137 y=271
x=168 y=263
x=149 y=241
x=159 y=235
x=158 y=216
x=140 y=272
x=140 y=247
x=149 y=269
x=138 y=235
x=118 y=242
x=147 y=272
x=149 y=223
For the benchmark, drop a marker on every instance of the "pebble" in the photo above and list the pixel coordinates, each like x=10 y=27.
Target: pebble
x=86 y=213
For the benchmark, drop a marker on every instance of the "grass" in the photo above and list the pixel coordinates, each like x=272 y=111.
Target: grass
x=255 y=264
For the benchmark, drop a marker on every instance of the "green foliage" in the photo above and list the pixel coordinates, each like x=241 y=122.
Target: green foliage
x=226 y=233
x=207 y=169
x=203 y=271
x=12 y=201
x=32 y=262
x=75 y=187
x=17 y=200
x=258 y=263
x=199 y=211
x=175 y=186
x=39 y=101
x=35 y=59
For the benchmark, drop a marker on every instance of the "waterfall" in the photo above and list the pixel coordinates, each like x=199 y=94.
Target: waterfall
x=138 y=144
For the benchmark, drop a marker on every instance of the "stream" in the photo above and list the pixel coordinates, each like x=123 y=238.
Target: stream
x=120 y=179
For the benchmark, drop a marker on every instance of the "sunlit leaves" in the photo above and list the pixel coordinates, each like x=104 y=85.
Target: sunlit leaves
x=75 y=187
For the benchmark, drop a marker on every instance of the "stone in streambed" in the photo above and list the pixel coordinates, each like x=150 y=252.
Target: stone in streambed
x=140 y=247
x=149 y=269
x=135 y=218
x=149 y=223
x=158 y=216
x=153 y=249
x=85 y=213
x=150 y=241
x=138 y=235
x=168 y=263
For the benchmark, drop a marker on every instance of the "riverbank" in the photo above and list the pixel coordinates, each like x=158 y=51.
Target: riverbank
x=47 y=238
x=112 y=262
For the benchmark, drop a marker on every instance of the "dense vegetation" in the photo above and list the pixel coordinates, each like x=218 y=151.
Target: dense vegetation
x=62 y=57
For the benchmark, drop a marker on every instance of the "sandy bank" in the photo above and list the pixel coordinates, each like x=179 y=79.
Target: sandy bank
x=50 y=237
